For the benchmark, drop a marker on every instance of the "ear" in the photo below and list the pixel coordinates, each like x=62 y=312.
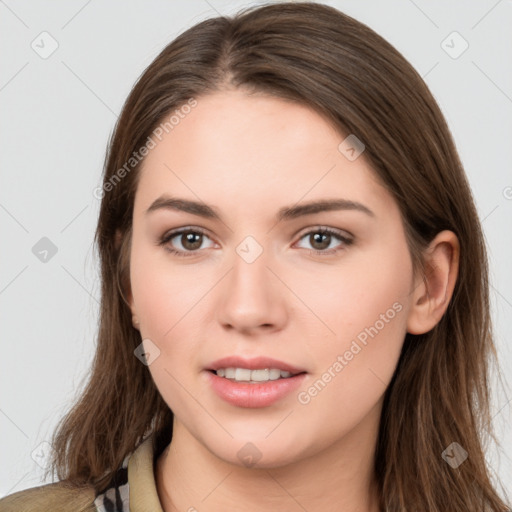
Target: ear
x=433 y=292
x=127 y=292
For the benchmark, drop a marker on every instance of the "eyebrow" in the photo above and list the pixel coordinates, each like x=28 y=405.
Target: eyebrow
x=286 y=213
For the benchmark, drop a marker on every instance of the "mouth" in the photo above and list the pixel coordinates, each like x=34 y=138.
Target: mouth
x=253 y=383
x=254 y=370
x=237 y=374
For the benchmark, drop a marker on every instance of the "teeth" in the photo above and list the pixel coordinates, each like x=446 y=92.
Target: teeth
x=246 y=375
x=242 y=374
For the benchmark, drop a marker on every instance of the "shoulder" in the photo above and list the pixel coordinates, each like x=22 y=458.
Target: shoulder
x=55 y=497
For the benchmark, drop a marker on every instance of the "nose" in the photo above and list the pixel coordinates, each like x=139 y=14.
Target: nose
x=252 y=297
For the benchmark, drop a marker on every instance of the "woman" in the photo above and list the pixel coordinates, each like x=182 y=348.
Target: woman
x=295 y=309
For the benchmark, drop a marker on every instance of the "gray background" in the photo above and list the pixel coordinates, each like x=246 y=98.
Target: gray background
x=57 y=114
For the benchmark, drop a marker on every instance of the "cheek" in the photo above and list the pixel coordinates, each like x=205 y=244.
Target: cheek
x=366 y=311
x=170 y=300
x=165 y=293
x=368 y=288
x=167 y=300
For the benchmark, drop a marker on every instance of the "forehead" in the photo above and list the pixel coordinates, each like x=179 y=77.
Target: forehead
x=250 y=151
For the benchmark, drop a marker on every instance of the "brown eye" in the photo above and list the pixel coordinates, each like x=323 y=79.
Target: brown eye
x=321 y=239
x=185 y=242
x=191 y=240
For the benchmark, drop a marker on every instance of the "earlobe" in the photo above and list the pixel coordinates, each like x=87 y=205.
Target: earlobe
x=135 y=318
x=131 y=303
x=118 y=240
x=431 y=296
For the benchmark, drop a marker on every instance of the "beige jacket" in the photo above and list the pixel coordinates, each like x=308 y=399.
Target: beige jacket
x=58 y=497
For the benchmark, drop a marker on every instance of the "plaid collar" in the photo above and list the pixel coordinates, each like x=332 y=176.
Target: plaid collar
x=134 y=486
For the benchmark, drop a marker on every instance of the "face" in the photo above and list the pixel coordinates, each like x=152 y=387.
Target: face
x=325 y=291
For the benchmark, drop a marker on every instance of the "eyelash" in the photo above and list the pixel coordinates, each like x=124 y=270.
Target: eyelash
x=323 y=230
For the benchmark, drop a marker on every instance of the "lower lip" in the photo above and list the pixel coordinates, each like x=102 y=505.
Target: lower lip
x=245 y=394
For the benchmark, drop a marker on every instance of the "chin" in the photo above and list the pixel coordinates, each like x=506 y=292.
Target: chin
x=258 y=452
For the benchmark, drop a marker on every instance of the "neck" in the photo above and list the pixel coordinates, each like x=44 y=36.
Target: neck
x=190 y=477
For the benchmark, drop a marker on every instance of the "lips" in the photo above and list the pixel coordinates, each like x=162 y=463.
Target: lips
x=255 y=363
x=253 y=395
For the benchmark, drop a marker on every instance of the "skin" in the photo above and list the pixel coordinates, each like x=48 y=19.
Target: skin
x=248 y=156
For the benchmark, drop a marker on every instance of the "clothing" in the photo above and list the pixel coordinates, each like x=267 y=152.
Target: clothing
x=133 y=490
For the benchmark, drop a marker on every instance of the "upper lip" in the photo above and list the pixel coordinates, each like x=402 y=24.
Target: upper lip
x=254 y=363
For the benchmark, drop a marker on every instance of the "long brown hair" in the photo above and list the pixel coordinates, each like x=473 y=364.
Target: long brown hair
x=314 y=55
